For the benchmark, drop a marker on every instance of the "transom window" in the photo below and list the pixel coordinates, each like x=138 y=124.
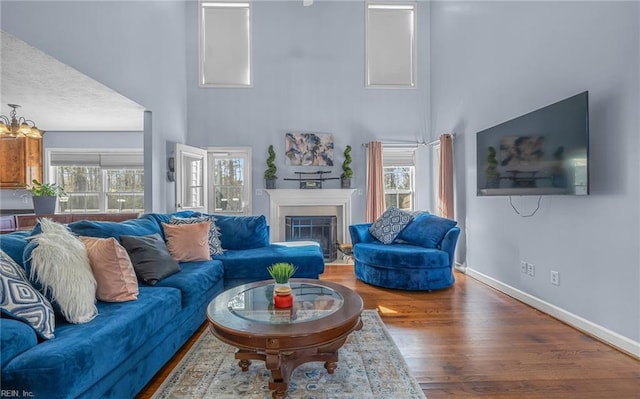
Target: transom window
x=225 y=44
x=100 y=182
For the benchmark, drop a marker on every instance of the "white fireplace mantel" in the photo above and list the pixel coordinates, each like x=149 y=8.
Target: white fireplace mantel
x=280 y=199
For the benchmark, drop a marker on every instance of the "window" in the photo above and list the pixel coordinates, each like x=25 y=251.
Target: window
x=391 y=45
x=191 y=178
x=230 y=171
x=106 y=181
x=225 y=44
x=399 y=177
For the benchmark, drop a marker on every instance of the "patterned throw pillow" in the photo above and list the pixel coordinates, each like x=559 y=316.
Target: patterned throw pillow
x=19 y=300
x=215 y=246
x=390 y=224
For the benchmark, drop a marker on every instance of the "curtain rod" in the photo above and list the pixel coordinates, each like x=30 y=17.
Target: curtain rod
x=399 y=143
x=415 y=143
x=436 y=141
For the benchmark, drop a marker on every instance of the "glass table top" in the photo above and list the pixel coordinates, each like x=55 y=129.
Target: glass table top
x=310 y=302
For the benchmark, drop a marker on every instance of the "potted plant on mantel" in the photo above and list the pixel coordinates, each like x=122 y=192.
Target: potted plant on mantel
x=270 y=174
x=44 y=196
x=347 y=173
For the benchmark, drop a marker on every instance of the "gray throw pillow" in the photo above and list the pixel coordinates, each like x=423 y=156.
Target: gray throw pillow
x=150 y=257
x=390 y=224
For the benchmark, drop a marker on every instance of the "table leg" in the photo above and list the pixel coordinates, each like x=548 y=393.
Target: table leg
x=244 y=364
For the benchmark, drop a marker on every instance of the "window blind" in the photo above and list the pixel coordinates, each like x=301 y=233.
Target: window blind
x=399 y=156
x=103 y=160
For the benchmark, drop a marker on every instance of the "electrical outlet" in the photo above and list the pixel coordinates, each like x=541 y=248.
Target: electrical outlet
x=555 y=277
x=523 y=267
x=531 y=269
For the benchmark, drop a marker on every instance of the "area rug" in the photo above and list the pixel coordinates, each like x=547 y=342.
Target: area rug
x=370 y=366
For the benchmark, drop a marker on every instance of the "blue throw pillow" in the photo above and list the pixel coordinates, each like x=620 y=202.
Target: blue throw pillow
x=20 y=301
x=243 y=232
x=426 y=230
x=101 y=229
x=390 y=224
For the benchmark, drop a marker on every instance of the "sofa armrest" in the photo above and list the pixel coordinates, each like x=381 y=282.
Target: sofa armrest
x=16 y=337
x=360 y=233
x=449 y=242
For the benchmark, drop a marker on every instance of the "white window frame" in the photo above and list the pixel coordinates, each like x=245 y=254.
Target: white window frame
x=231 y=152
x=188 y=182
x=228 y=42
x=390 y=49
x=409 y=156
x=50 y=175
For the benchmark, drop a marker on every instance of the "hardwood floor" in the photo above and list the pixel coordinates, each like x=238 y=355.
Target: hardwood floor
x=471 y=341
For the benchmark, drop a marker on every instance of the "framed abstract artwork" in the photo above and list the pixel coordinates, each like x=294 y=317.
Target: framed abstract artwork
x=309 y=149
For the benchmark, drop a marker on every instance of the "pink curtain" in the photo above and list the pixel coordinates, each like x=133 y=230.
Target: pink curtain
x=445 y=185
x=375 y=183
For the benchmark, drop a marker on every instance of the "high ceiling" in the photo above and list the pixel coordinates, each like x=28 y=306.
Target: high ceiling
x=57 y=97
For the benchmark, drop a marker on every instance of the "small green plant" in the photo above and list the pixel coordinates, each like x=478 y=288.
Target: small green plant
x=270 y=173
x=281 y=272
x=38 y=189
x=347 y=173
x=492 y=164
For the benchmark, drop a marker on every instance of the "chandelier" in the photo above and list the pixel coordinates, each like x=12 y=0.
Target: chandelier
x=15 y=127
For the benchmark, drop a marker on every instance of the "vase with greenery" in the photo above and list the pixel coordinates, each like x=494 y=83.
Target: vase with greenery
x=281 y=273
x=492 y=174
x=44 y=196
x=347 y=173
x=270 y=174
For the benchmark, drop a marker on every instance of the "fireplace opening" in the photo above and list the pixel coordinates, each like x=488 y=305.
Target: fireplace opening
x=322 y=229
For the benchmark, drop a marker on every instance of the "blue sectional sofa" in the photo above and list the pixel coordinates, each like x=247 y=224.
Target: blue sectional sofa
x=118 y=352
x=420 y=258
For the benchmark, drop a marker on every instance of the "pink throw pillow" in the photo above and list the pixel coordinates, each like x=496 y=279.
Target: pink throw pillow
x=188 y=242
x=112 y=268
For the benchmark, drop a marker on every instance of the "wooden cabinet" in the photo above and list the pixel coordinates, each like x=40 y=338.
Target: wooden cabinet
x=20 y=161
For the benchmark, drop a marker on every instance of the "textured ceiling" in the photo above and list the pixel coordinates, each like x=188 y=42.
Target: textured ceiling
x=57 y=97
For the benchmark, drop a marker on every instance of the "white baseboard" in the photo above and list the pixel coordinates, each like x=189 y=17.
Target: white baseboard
x=612 y=338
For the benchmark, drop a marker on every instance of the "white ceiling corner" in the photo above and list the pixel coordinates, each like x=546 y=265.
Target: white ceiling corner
x=58 y=97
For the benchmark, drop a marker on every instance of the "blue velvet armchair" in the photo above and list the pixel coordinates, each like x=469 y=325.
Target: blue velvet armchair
x=420 y=258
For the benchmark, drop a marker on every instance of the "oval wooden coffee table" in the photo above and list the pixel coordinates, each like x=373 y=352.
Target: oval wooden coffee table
x=313 y=329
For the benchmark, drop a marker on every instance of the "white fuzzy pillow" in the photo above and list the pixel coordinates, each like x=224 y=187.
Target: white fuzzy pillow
x=59 y=263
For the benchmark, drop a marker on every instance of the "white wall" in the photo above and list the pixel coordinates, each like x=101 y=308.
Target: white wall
x=308 y=77
x=493 y=61
x=136 y=48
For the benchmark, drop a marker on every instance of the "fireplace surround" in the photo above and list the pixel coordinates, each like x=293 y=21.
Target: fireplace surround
x=296 y=202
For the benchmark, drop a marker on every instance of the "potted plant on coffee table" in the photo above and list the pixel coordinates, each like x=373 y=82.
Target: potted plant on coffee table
x=281 y=273
x=44 y=196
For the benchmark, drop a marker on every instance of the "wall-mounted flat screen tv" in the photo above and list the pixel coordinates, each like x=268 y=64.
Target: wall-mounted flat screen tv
x=544 y=152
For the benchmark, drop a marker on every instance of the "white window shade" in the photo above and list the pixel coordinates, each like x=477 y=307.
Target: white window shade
x=225 y=44
x=391 y=45
x=398 y=157
x=103 y=160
